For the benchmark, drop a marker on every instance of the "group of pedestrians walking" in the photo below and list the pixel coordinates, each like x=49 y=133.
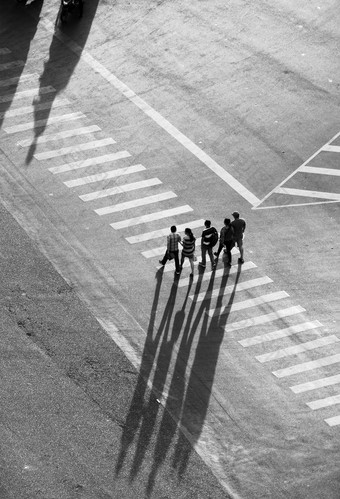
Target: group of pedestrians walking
x=230 y=235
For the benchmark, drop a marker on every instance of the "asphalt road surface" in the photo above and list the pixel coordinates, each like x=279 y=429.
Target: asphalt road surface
x=122 y=379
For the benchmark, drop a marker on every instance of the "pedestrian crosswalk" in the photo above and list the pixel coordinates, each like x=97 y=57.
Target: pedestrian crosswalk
x=269 y=316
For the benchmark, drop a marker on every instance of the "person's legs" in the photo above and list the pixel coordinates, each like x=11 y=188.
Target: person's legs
x=229 y=246
x=220 y=247
x=177 y=262
x=240 y=247
x=211 y=256
x=164 y=259
x=191 y=260
x=203 y=256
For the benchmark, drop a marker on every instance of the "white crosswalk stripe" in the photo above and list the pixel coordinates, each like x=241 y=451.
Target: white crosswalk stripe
x=31 y=125
x=320 y=171
x=151 y=217
x=10 y=65
x=15 y=80
x=307 y=366
x=26 y=93
x=326 y=402
x=20 y=111
x=260 y=281
x=252 y=302
x=136 y=202
x=335 y=420
x=265 y=319
x=218 y=273
x=61 y=135
x=295 y=349
x=317 y=383
x=146 y=236
x=4 y=51
x=85 y=146
x=84 y=163
x=90 y=179
x=281 y=333
x=142 y=184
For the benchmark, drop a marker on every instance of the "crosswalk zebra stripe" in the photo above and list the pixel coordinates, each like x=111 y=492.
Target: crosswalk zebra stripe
x=74 y=132
x=320 y=171
x=16 y=79
x=26 y=93
x=317 y=383
x=20 y=111
x=90 y=179
x=330 y=148
x=307 y=366
x=280 y=333
x=334 y=421
x=155 y=251
x=265 y=319
x=119 y=189
x=252 y=302
x=326 y=402
x=146 y=236
x=218 y=273
x=13 y=64
x=295 y=349
x=152 y=217
x=31 y=125
x=306 y=193
x=85 y=146
x=4 y=51
x=252 y=283
x=136 y=202
x=84 y=163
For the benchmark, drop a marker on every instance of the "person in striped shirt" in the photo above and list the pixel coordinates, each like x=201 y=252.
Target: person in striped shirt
x=172 y=251
x=188 y=251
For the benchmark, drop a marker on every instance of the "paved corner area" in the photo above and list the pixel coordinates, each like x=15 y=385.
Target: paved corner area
x=62 y=406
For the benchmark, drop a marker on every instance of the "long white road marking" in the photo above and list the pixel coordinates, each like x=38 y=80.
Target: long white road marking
x=333 y=421
x=252 y=283
x=26 y=93
x=309 y=194
x=119 y=189
x=307 y=366
x=329 y=148
x=74 y=132
x=326 y=402
x=31 y=125
x=155 y=251
x=252 y=302
x=151 y=217
x=85 y=146
x=320 y=171
x=13 y=64
x=155 y=116
x=146 y=236
x=84 y=163
x=295 y=349
x=280 y=333
x=217 y=273
x=317 y=383
x=20 y=111
x=119 y=172
x=264 y=319
x=136 y=202
x=15 y=80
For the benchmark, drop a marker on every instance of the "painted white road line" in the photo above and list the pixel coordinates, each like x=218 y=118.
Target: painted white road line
x=84 y=163
x=252 y=302
x=84 y=146
x=20 y=111
x=146 y=236
x=155 y=252
x=136 y=202
x=280 y=333
x=326 y=402
x=119 y=189
x=296 y=349
x=307 y=366
x=156 y=117
x=74 y=132
x=151 y=217
x=334 y=421
x=217 y=273
x=328 y=147
x=31 y=125
x=320 y=171
x=265 y=319
x=15 y=80
x=26 y=93
x=4 y=51
x=10 y=65
x=309 y=194
x=317 y=383
x=119 y=172
x=233 y=288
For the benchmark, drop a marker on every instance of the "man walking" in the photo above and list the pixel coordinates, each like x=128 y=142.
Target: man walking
x=239 y=226
x=226 y=240
x=209 y=239
x=172 y=248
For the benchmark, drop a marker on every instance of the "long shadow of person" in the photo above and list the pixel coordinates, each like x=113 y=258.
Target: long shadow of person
x=65 y=52
x=18 y=28
x=200 y=383
x=142 y=413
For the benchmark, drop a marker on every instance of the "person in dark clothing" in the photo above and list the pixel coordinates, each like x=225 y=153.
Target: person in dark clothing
x=209 y=239
x=226 y=240
x=239 y=226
